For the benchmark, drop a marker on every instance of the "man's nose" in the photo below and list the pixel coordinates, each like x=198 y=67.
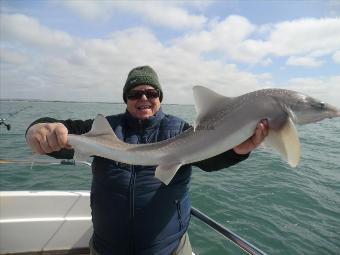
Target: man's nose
x=144 y=98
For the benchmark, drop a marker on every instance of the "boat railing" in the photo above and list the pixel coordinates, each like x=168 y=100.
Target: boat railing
x=227 y=233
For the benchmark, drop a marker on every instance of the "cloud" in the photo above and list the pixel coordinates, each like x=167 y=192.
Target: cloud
x=304 y=61
x=159 y=13
x=305 y=36
x=90 y=9
x=25 y=30
x=238 y=39
x=167 y=15
x=221 y=36
x=336 y=57
x=13 y=57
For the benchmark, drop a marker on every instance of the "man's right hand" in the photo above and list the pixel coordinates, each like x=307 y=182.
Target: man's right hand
x=47 y=137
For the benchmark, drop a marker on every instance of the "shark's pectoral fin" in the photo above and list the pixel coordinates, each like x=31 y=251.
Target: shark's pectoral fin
x=166 y=172
x=286 y=142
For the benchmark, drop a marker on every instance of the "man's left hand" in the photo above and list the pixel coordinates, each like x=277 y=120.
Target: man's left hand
x=253 y=142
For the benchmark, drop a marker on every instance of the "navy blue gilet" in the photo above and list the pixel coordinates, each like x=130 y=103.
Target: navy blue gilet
x=132 y=211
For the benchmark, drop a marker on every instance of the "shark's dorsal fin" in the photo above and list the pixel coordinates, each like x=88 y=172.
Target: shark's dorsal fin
x=102 y=133
x=102 y=130
x=100 y=126
x=207 y=101
x=286 y=142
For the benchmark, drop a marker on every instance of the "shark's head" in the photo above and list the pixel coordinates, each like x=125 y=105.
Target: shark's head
x=304 y=109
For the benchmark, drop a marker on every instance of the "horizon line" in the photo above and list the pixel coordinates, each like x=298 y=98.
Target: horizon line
x=65 y=101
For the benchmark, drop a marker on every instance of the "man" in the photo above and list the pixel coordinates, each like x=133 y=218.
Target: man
x=132 y=211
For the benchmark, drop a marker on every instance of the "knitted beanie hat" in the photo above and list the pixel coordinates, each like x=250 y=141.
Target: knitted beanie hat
x=142 y=75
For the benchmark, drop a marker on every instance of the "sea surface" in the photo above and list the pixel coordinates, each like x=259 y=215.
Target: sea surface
x=280 y=209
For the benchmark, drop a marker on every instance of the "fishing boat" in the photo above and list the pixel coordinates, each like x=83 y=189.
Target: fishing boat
x=59 y=222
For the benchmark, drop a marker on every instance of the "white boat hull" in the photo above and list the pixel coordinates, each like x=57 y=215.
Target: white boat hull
x=45 y=222
x=32 y=221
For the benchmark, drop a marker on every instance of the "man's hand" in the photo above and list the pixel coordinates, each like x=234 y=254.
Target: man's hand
x=47 y=137
x=253 y=142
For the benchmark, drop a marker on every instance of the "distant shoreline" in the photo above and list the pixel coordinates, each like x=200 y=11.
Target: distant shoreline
x=53 y=101
x=61 y=101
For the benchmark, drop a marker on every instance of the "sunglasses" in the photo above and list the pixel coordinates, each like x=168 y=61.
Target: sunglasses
x=137 y=94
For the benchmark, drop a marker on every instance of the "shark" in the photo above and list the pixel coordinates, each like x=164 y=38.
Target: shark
x=221 y=124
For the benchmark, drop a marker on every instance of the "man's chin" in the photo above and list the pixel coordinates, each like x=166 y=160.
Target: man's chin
x=144 y=114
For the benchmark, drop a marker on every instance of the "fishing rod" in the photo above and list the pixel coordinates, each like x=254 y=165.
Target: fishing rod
x=225 y=232
x=44 y=162
x=2 y=122
x=11 y=114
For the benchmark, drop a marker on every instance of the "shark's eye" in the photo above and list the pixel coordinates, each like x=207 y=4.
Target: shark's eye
x=319 y=105
x=322 y=105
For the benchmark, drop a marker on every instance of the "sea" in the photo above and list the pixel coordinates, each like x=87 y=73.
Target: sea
x=281 y=210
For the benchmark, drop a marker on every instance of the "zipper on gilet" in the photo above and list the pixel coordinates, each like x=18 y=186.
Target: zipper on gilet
x=132 y=210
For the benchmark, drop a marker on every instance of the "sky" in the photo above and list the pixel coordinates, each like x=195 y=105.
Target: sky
x=82 y=50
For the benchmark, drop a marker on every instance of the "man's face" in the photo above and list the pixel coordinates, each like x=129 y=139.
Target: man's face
x=143 y=107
